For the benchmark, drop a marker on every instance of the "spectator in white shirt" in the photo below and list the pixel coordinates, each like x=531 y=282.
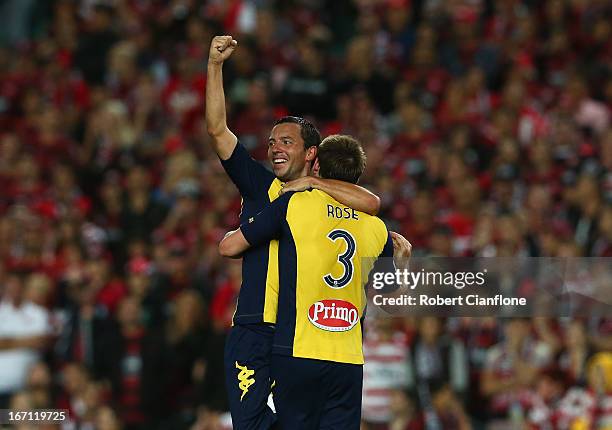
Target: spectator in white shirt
x=24 y=333
x=386 y=356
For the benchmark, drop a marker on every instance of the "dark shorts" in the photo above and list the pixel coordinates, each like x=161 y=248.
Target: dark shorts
x=247 y=376
x=314 y=394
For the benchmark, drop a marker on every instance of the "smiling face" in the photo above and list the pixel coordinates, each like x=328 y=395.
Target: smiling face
x=286 y=152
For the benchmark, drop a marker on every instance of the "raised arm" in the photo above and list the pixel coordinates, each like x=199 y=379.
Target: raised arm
x=223 y=140
x=348 y=194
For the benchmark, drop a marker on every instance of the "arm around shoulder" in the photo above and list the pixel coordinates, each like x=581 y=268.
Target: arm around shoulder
x=351 y=195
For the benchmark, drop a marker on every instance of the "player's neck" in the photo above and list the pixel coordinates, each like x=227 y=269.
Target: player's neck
x=301 y=174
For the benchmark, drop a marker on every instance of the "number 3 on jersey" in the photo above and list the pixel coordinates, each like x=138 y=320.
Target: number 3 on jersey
x=346 y=259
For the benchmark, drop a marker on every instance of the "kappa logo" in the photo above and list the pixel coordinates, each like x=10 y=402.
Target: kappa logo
x=245 y=379
x=333 y=315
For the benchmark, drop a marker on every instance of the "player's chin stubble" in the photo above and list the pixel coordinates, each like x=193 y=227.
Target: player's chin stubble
x=284 y=173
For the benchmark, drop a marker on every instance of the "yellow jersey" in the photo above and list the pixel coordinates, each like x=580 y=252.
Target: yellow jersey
x=325 y=253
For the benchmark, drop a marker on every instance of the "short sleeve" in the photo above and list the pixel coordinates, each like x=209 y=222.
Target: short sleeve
x=267 y=224
x=385 y=259
x=250 y=177
x=388 y=248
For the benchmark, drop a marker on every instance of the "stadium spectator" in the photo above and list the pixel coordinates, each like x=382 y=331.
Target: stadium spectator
x=435 y=357
x=385 y=369
x=511 y=368
x=149 y=294
x=134 y=363
x=86 y=321
x=22 y=402
x=445 y=410
x=76 y=382
x=576 y=352
x=24 y=334
x=39 y=386
x=107 y=419
x=542 y=406
x=186 y=340
x=404 y=412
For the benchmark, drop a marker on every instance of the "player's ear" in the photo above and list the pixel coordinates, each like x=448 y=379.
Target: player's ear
x=315 y=167
x=311 y=153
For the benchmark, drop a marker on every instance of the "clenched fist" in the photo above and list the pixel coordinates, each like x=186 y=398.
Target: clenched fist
x=221 y=48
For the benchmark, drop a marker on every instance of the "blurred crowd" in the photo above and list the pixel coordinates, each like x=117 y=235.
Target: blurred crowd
x=487 y=129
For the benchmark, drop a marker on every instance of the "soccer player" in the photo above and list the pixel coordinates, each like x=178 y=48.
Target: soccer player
x=317 y=362
x=292 y=149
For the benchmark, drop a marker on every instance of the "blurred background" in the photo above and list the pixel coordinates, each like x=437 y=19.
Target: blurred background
x=487 y=129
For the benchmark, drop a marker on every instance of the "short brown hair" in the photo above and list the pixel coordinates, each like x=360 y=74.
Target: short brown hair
x=341 y=157
x=308 y=131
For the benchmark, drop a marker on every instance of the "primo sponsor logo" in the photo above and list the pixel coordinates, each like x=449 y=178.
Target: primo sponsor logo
x=333 y=315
